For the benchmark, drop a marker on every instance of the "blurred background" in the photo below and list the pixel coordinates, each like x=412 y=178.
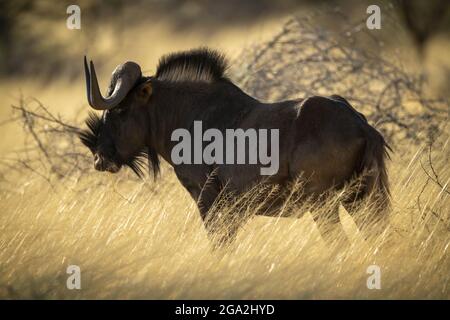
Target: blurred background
x=34 y=40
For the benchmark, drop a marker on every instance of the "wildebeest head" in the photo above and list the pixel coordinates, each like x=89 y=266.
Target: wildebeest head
x=119 y=136
x=124 y=134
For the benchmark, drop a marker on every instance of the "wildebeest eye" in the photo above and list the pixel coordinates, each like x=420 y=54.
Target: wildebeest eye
x=89 y=136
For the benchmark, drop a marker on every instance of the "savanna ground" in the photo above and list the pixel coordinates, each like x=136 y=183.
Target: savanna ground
x=144 y=238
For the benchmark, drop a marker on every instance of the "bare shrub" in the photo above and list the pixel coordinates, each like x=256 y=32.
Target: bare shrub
x=304 y=60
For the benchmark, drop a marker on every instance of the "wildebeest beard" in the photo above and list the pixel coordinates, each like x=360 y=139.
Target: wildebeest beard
x=136 y=162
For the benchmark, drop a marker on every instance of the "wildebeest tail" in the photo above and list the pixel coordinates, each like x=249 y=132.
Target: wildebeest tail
x=374 y=181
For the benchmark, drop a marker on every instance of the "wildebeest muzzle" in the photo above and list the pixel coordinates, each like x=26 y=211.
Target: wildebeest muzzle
x=103 y=164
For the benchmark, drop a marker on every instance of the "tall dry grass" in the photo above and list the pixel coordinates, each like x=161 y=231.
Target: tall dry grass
x=146 y=240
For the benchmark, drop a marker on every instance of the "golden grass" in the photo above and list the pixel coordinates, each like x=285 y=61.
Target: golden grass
x=144 y=239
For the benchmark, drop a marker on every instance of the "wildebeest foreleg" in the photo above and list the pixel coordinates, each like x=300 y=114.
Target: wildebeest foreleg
x=220 y=228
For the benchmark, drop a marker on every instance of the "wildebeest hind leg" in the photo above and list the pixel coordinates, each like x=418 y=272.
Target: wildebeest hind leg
x=370 y=218
x=330 y=227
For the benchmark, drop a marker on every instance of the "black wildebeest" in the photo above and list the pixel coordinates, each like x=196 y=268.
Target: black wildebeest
x=323 y=140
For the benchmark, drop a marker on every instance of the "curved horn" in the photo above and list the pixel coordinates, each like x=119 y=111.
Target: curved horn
x=126 y=76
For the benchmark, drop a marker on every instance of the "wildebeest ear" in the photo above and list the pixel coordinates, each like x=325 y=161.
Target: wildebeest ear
x=145 y=89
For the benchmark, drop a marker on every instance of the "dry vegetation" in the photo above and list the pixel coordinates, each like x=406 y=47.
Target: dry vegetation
x=144 y=239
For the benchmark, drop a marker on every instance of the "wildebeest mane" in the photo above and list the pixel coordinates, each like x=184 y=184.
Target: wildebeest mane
x=136 y=163
x=198 y=65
